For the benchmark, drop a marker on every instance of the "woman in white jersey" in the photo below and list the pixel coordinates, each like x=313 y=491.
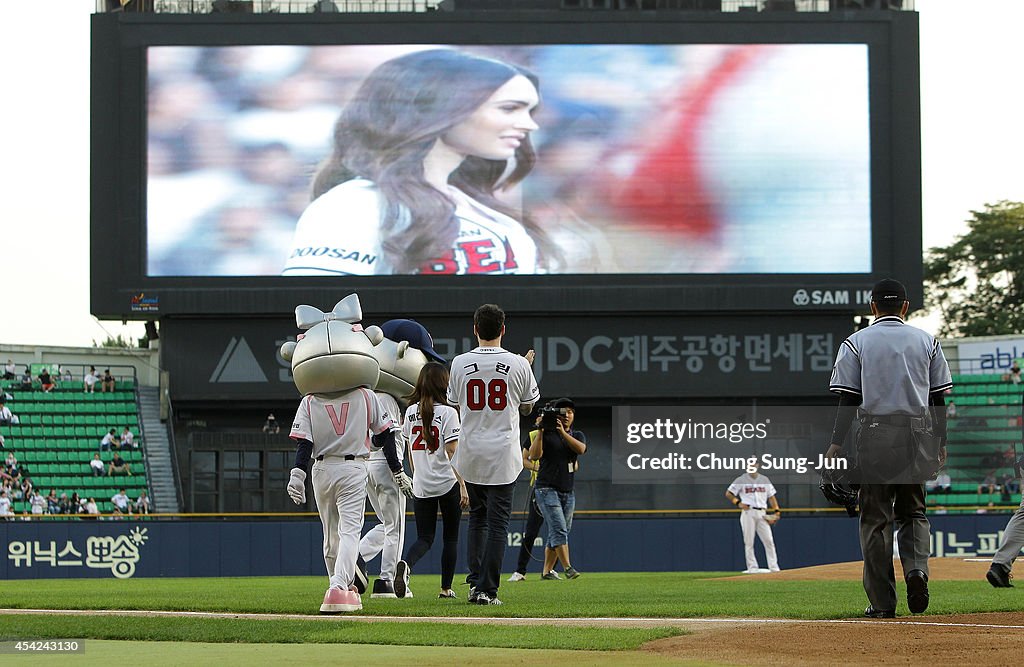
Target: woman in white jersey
x=432 y=430
x=420 y=152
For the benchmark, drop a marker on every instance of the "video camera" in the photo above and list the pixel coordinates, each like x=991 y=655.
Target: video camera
x=549 y=415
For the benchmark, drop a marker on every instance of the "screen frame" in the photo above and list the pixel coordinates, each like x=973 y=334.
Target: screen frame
x=121 y=288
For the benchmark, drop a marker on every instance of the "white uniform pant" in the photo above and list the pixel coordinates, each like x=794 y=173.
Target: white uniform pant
x=339 y=487
x=752 y=521
x=387 y=537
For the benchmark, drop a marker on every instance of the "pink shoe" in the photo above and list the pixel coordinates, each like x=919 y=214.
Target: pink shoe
x=337 y=601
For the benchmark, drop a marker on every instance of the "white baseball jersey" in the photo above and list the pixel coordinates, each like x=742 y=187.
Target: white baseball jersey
x=433 y=474
x=489 y=384
x=330 y=423
x=38 y=503
x=391 y=405
x=339 y=234
x=752 y=491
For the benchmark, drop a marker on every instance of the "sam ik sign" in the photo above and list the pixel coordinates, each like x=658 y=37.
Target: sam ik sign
x=818 y=297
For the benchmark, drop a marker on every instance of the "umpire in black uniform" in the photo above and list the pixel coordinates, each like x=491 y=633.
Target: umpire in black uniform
x=892 y=377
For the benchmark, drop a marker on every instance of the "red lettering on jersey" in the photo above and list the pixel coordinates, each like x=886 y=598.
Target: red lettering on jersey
x=445 y=264
x=338 y=423
x=477 y=260
x=510 y=256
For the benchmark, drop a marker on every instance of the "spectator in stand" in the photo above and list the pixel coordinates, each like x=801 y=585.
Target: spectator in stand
x=127 y=440
x=64 y=505
x=118 y=466
x=52 y=503
x=5 y=505
x=142 y=504
x=1014 y=374
x=90 y=380
x=10 y=370
x=24 y=491
x=45 y=381
x=65 y=374
x=941 y=484
x=7 y=418
x=89 y=508
x=271 y=426
x=108 y=381
x=122 y=505
x=74 y=504
x=989 y=483
x=110 y=441
x=951 y=410
x=10 y=463
x=37 y=503
x=26 y=380
x=98 y=468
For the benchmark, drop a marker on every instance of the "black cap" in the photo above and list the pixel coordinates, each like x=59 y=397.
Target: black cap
x=564 y=403
x=888 y=291
x=415 y=334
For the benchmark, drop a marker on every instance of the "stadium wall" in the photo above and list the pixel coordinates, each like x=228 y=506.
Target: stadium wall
x=153 y=548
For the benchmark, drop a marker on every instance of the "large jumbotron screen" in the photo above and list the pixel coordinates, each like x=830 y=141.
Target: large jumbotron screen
x=593 y=169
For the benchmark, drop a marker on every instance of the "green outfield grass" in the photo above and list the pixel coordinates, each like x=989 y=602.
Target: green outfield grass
x=646 y=594
x=292 y=631
x=158 y=654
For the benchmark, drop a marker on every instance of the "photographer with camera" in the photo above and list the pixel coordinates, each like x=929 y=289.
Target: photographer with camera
x=557 y=447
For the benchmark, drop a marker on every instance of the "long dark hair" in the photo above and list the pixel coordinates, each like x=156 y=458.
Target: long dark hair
x=430 y=390
x=386 y=131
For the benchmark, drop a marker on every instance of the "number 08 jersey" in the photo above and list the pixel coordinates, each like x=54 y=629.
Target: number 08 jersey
x=489 y=384
x=432 y=471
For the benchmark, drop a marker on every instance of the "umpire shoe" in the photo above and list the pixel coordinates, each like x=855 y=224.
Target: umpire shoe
x=917 y=591
x=999 y=576
x=382 y=588
x=871 y=612
x=401 y=579
x=361 y=580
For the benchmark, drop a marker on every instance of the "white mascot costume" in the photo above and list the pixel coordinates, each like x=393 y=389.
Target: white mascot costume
x=334 y=367
x=402 y=353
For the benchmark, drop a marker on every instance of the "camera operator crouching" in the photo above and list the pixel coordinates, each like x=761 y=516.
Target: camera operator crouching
x=556 y=445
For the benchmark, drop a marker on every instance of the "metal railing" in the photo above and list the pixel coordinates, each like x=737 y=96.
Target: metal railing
x=405 y=6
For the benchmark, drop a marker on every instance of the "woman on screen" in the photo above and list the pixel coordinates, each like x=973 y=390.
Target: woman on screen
x=420 y=153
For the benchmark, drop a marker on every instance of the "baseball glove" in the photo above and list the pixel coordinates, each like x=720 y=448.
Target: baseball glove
x=773 y=517
x=838 y=489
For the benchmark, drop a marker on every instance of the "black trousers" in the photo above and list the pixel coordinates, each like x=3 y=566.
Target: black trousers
x=534 y=520
x=426 y=510
x=490 y=508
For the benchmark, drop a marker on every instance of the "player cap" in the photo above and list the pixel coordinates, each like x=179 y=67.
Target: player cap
x=564 y=403
x=889 y=291
x=416 y=335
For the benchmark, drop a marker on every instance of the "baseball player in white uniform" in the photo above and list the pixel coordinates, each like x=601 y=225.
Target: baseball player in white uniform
x=404 y=350
x=492 y=388
x=333 y=365
x=754 y=493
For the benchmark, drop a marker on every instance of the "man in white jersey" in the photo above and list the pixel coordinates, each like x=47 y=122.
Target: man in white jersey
x=332 y=365
x=893 y=376
x=754 y=494
x=492 y=387
x=403 y=352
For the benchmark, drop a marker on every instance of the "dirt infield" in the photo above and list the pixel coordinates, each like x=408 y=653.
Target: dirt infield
x=940 y=640
x=942 y=569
